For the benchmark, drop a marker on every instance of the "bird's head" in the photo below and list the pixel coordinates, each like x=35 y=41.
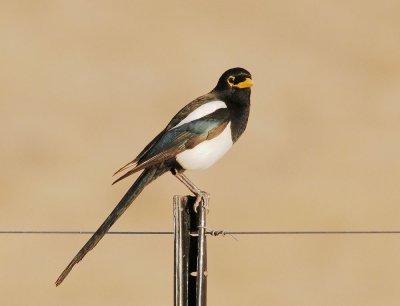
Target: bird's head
x=234 y=82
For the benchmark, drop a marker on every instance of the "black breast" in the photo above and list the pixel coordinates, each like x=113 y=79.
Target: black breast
x=239 y=106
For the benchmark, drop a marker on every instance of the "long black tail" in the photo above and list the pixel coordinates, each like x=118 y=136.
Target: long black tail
x=147 y=176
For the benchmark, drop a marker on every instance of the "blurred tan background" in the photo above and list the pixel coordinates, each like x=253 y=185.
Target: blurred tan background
x=84 y=85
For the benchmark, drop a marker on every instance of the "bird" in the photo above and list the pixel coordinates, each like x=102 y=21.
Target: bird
x=195 y=138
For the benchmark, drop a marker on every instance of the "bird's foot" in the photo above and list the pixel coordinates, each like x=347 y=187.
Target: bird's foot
x=203 y=199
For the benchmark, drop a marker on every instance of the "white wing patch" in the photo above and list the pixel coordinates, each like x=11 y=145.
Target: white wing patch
x=202 y=111
x=206 y=153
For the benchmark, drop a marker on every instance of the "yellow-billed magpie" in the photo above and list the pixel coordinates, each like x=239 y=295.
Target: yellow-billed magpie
x=196 y=137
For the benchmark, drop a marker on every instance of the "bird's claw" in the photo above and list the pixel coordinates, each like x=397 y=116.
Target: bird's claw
x=202 y=198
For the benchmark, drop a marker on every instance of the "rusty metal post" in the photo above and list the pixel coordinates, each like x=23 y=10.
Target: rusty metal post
x=190 y=274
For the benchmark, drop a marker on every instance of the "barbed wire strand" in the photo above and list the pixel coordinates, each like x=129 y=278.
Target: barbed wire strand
x=210 y=232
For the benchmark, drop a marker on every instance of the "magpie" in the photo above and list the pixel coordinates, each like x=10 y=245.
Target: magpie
x=196 y=137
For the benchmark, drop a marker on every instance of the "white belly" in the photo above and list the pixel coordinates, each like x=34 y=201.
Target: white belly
x=206 y=153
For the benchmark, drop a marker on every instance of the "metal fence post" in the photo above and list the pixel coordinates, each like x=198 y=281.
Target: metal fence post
x=190 y=276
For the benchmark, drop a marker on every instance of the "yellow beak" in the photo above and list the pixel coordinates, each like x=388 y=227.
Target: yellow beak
x=245 y=84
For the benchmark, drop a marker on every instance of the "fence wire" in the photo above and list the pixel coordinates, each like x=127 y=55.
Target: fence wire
x=209 y=232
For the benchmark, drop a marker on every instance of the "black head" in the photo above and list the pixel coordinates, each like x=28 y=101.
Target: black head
x=234 y=80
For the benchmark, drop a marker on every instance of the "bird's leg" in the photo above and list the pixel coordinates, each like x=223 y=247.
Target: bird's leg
x=201 y=196
x=188 y=183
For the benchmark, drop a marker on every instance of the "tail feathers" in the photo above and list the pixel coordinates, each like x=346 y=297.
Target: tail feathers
x=144 y=179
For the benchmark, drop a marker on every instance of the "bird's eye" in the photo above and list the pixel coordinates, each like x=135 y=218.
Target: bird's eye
x=231 y=79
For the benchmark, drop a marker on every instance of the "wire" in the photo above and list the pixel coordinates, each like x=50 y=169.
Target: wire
x=209 y=232
x=309 y=232
x=83 y=232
